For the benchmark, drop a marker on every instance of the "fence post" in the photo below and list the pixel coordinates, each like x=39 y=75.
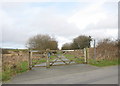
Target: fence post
x=30 y=62
x=47 y=62
x=94 y=49
x=85 y=55
x=88 y=54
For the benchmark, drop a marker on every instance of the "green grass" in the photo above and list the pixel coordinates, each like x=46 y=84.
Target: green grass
x=100 y=63
x=103 y=63
x=52 y=57
x=77 y=60
x=42 y=60
x=69 y=55
x=0 y=76
x=22 y=67
x=9 y=72
x=6 y=75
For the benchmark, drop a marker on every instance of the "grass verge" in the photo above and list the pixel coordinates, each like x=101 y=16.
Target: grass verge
x=10 y=72
x=103 y=63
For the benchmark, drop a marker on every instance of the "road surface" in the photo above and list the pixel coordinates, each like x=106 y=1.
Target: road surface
x=68 y=74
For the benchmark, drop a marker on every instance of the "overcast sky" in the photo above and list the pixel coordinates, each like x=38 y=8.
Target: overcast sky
x=61 y=20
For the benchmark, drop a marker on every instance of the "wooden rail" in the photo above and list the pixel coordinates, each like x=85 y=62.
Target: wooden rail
x=48 y=59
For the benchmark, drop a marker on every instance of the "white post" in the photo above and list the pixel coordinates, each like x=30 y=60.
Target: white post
x=47 y=62
x=85 y=55
x=31 y=59
x=88 y=56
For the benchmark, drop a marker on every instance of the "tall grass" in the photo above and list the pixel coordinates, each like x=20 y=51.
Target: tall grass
x=9 y=72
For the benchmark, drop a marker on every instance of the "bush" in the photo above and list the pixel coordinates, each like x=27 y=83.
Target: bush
x=107 y=49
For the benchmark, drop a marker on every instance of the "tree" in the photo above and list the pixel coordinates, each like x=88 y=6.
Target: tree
x=81 y=42
x=42 y=42
x=67 y=46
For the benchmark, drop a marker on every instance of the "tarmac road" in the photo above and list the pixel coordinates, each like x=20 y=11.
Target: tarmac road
x=68 y=74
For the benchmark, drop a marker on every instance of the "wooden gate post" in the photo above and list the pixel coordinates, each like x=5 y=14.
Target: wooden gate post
x=47 y=62
x=85 y=55
x=88 y=54
x=30 y=60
